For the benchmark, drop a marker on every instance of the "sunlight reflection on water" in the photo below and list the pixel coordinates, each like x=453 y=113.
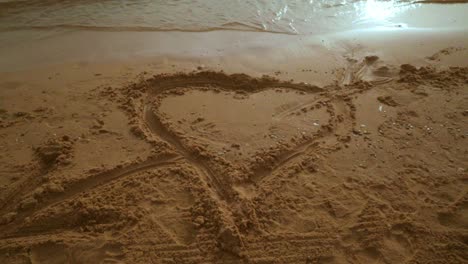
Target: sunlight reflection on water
x=380 y=11
x=280 y=16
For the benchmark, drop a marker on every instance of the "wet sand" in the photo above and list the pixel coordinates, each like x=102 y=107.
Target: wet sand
x=352 y=150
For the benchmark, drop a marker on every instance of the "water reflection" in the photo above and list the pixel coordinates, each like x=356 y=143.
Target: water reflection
x=380 y=12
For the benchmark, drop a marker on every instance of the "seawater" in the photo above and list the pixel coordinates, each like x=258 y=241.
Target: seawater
x=279 y=16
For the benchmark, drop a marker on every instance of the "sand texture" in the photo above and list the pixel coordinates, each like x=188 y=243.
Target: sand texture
x=209 y=167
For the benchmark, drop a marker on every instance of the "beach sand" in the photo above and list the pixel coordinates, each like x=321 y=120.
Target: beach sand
x=235 y=147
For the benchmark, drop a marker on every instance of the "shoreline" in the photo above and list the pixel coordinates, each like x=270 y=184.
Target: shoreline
x=248 y=52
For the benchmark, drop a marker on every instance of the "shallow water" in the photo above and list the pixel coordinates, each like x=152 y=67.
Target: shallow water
x=34 y=32
x=281 y=16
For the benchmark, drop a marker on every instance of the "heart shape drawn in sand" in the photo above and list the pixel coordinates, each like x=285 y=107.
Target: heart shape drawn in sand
x=236 y=120
x=238 y=125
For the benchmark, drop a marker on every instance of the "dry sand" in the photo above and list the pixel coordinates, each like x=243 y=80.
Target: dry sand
x=136 y=163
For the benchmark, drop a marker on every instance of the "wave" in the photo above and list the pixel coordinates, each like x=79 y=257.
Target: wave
x=229 y=26
x=280 y=16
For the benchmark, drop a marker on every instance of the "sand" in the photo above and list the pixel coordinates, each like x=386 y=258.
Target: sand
x=210 y=167
x=346 y=148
